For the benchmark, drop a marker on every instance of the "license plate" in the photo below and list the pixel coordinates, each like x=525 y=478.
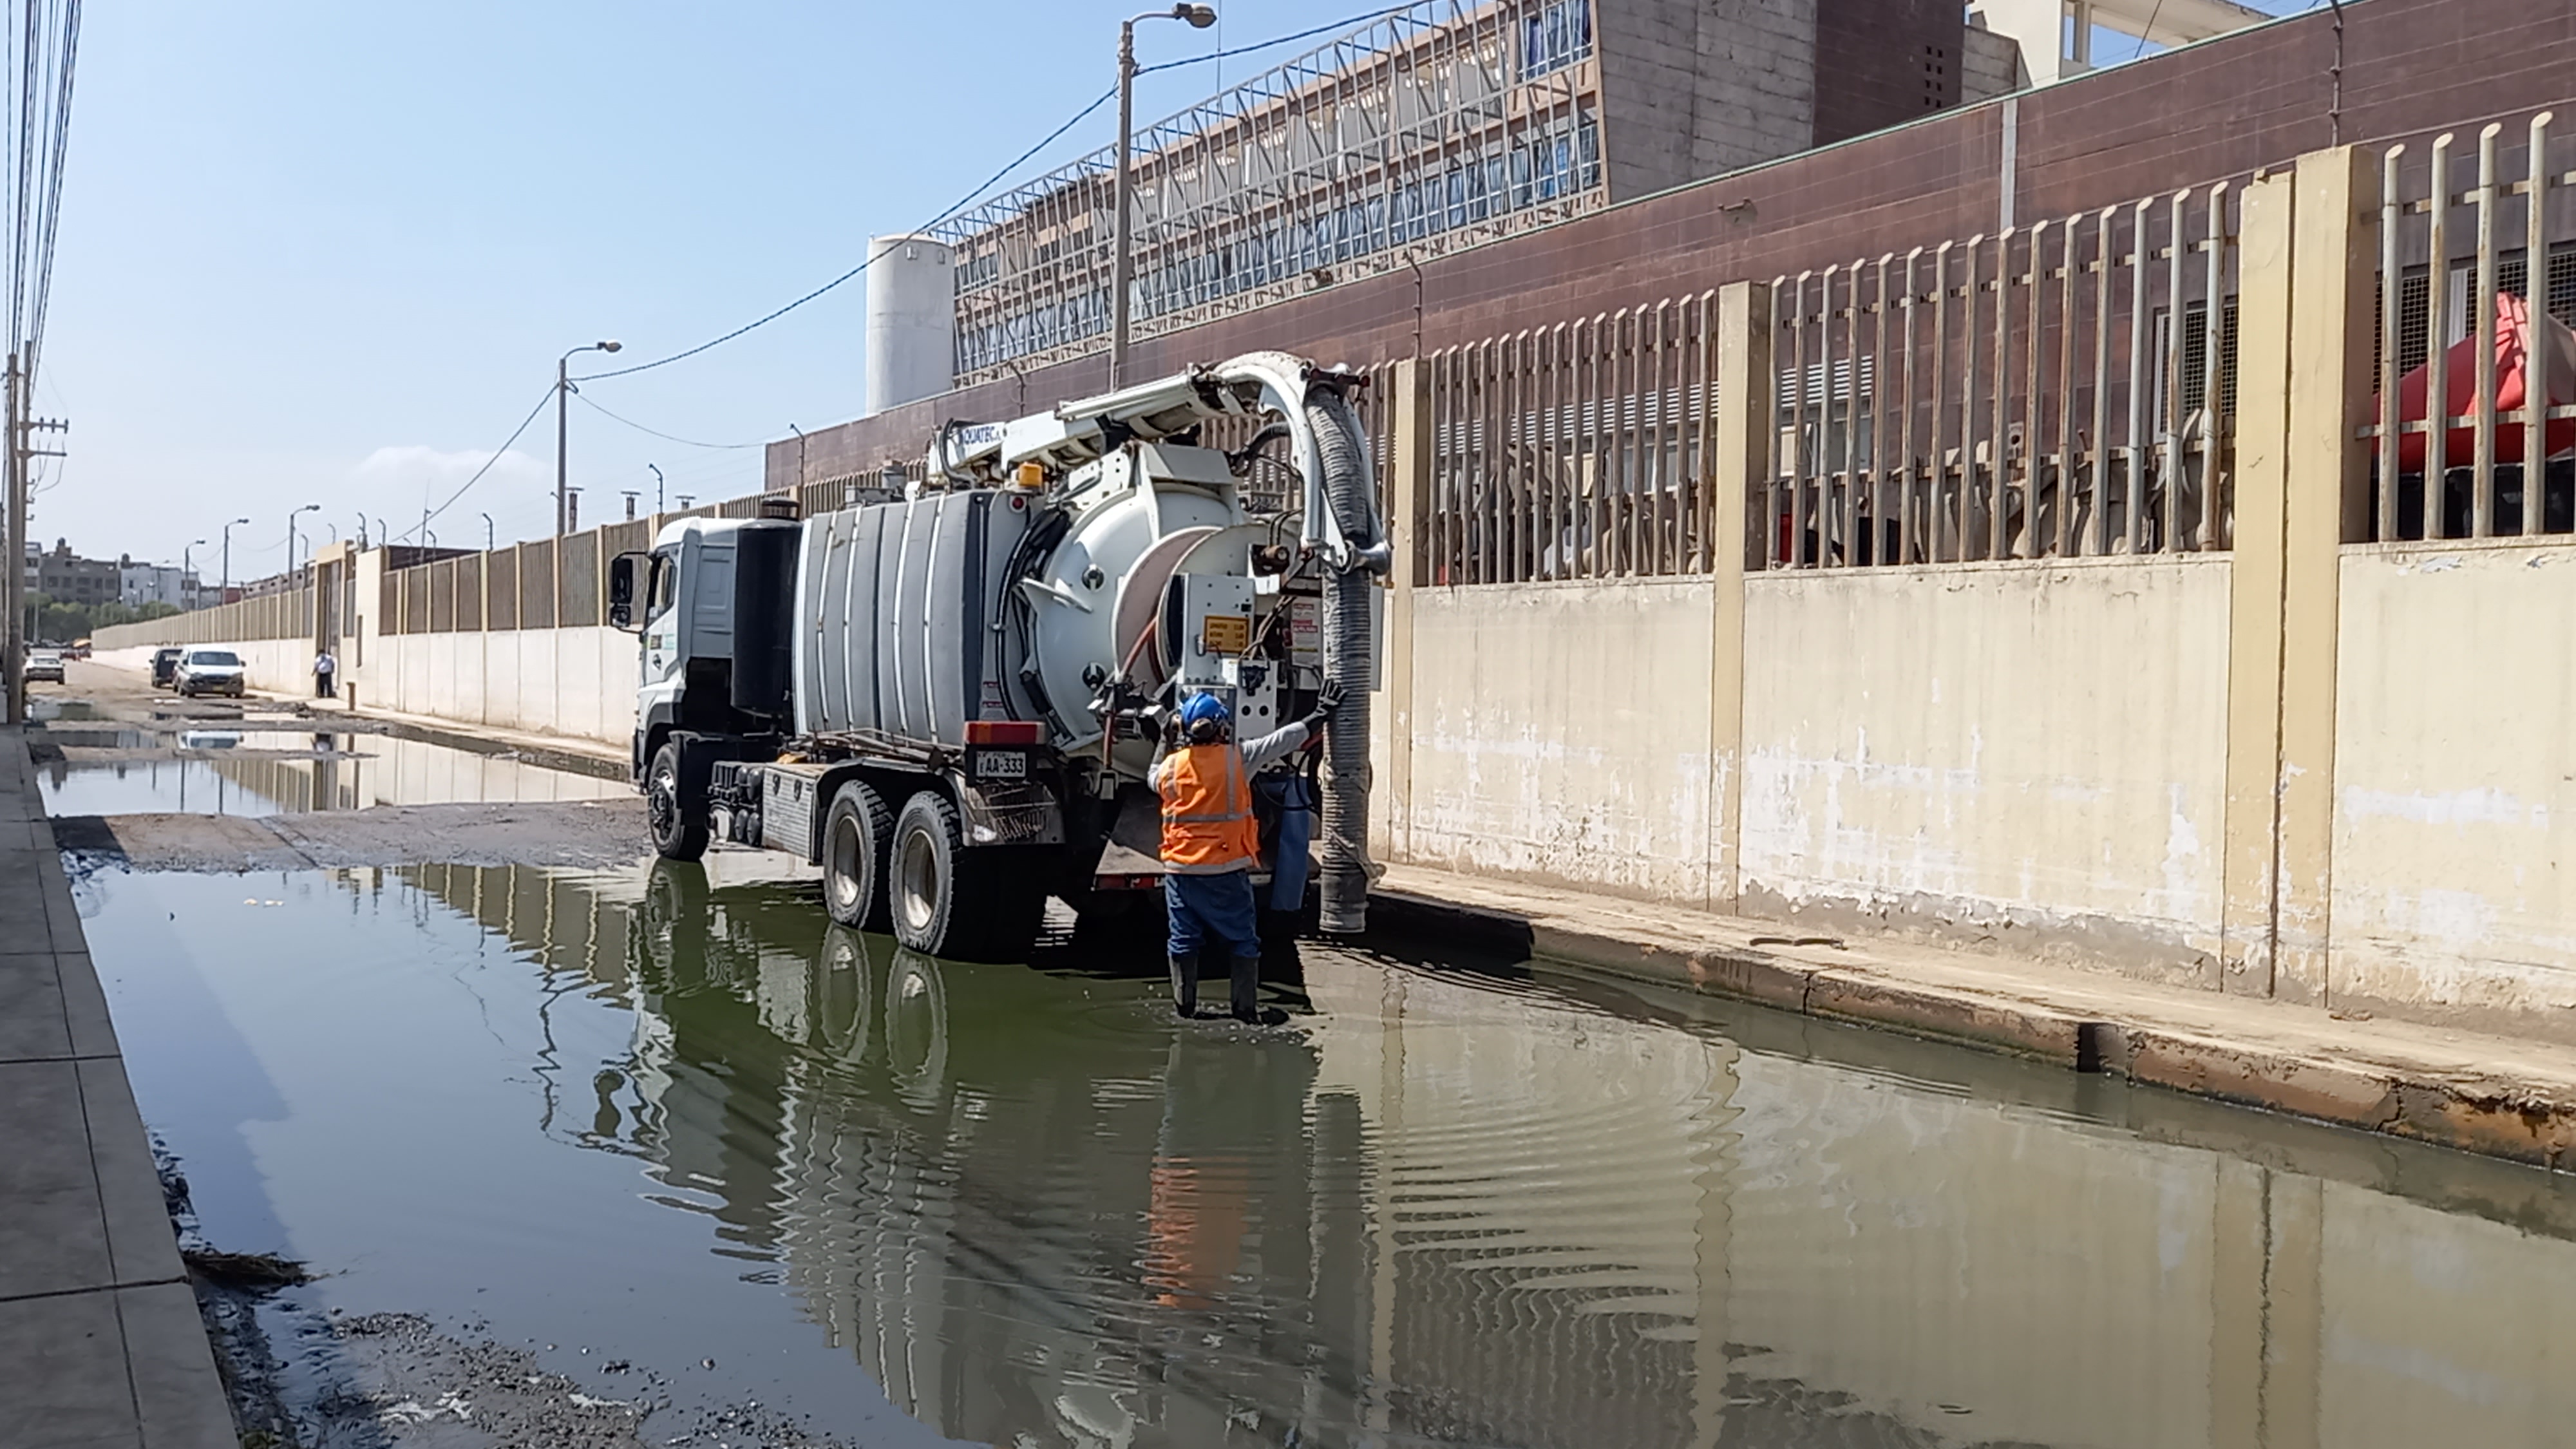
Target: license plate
x=1001 y=765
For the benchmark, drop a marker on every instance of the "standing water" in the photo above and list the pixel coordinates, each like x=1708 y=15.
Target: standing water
x=642 y=1117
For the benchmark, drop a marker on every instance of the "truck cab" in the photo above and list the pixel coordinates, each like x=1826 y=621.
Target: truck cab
x=710 y=607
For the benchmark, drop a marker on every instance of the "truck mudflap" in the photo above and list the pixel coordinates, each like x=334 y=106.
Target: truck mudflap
x=1012 y=812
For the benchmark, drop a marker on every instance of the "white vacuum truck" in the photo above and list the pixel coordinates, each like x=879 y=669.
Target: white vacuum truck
x=950 y=702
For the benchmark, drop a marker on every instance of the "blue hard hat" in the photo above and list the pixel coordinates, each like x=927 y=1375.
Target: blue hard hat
x=1204 y=707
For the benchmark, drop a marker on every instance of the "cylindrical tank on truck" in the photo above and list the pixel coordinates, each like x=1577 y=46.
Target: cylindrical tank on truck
x=948 y=701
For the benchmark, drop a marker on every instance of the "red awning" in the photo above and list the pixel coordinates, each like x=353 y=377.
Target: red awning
x=2512 y=350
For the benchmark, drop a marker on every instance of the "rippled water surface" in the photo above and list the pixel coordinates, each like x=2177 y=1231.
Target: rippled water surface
x=257 y=771
x=657 y=1116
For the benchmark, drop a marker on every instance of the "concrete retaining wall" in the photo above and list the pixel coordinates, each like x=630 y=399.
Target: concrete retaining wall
x=2455 y=782
x=1561 y=734
x=2033 y=751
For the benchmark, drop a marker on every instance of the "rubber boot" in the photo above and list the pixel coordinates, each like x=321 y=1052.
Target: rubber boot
x=1247 y=988
x=1185 y=985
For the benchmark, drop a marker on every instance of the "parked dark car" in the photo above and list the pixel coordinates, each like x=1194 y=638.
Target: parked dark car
x=165 y=668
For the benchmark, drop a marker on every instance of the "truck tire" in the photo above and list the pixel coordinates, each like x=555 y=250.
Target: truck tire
x=675 y=805
x=948 y=901
x=856 y=834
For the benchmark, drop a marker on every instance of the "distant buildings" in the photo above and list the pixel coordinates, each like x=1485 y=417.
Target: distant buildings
x=144 y=583
x=67 y=578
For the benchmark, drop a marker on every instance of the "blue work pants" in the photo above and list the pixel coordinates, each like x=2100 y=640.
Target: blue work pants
x=1211 y=908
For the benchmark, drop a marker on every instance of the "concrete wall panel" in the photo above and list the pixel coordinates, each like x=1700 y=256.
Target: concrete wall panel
x=2455 y=776
x=2032 y=751
x=1561 y=733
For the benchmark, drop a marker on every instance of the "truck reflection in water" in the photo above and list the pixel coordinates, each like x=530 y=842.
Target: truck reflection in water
x=1457 y=1209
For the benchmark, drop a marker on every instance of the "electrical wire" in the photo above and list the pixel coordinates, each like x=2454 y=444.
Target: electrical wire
x=964 y=202
x=969 y=199
x=656 y=432
x=1279 y=40
x=498 y=454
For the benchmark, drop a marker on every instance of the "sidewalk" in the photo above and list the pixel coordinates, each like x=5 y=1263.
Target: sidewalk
x=100 y=1342
x=2500 y=1096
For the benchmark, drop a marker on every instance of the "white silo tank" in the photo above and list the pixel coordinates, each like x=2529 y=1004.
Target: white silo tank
x=911 y=326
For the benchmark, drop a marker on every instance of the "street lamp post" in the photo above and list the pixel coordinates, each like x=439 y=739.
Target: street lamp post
x=227 y=586
x=657 y=488
x=1122 y=262
x=487 y=533
x=290 y=540
x=186 y=556
x=563 y=402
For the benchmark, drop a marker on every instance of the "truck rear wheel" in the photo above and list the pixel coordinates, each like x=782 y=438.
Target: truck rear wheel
x=855 y=838
x=949 y=901
x=675 y=806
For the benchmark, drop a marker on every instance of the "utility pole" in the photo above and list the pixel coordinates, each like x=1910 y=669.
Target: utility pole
x=20 y=425
x=1122 y=260
x=16 y=656
x=563 y=406
x=223 y=593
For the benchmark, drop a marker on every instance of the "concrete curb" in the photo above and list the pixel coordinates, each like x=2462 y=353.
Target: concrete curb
x=2427 y=1105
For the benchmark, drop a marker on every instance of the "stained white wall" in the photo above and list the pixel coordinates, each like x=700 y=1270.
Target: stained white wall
x=2013 y=748
x=2454 y=886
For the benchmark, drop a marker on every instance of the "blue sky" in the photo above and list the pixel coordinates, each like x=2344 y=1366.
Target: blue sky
x=328 y=252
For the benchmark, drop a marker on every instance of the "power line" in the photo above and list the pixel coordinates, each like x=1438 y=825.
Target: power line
x=976 y=194
x=864 y=263
x=656 y=432
x=497 y=455
x=1279 y=40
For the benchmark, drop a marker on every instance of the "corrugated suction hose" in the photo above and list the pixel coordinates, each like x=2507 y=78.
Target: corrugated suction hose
x=1346 y=777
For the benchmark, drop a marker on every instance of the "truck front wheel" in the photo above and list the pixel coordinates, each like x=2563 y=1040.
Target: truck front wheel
x=855 y=836
x=950 y=901
x=675 y=808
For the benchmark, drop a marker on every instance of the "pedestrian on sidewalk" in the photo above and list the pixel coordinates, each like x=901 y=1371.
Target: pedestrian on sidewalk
x=1211 y=840
x=326 y=672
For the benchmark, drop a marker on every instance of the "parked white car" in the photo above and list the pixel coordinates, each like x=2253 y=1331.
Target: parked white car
x=210 y=671
x=45 y=664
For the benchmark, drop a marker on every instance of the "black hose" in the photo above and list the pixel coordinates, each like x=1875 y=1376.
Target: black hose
x=1344 y=882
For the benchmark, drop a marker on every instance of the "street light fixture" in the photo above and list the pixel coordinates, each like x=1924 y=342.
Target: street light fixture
x=226 y=587
x=186 y=556
x=290 y=540
x=487 y=533
x=1122 y=263
x=563 y=392
x=657 y=488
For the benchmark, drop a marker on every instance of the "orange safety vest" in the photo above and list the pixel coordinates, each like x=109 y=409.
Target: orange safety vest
x=1207 y=809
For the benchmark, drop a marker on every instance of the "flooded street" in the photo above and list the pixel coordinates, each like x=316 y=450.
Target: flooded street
x=648 y=1118
x=744 y=1177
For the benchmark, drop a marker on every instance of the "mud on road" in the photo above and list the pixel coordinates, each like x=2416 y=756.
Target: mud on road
x=581 y=833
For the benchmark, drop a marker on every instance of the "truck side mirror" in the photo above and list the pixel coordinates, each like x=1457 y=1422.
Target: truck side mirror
x=623 y=571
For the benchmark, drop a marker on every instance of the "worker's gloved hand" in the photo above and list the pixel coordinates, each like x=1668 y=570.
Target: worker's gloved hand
x=1172 y=728
x=1327 y=701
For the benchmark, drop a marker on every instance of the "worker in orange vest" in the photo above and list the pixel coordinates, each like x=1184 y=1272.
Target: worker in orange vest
x=1211 y=841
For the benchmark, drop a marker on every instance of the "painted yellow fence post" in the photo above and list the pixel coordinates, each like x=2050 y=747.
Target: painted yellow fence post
x=1408 y=484
x=2305 y=304
x=1740 y=393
